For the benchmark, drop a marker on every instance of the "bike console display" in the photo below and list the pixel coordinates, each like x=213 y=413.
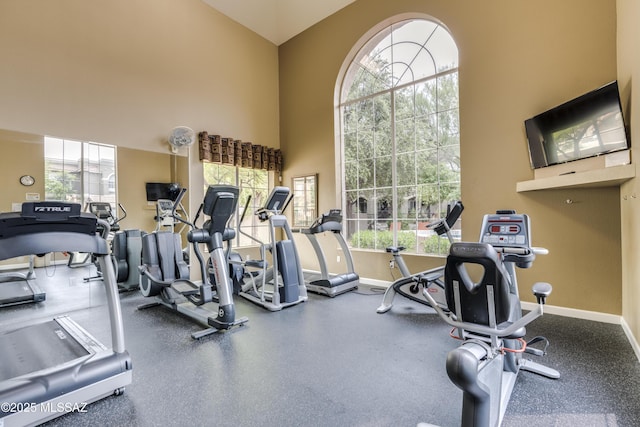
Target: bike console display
x=510 y=234
x=503 y=230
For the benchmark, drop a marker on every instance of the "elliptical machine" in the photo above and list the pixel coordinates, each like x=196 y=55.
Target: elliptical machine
x=432 y=280
x=165 y=274
x=103 y=211
x=488 y=317
x=126 y=255
x=281 y=285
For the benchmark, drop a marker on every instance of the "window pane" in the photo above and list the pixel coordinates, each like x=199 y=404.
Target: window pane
x=426 y=98
x=406 y=169
x=417 y=139
x=98 y=171
x=405 y=103
x=365 y=173
x=252 y=183
x=351 y=176
x=426 y=132
x=427 y=166
x=448 y=91
x=79 y=172
x=405 y=135
x=382 y=138
x=383 y=171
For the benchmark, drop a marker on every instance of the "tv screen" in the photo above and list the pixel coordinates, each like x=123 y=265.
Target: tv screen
x=161 y=190
x=587 y=126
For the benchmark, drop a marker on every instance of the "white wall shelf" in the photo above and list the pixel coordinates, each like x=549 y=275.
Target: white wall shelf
x=605 y=177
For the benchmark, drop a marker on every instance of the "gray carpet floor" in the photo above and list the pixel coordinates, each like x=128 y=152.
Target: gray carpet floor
x=330 y=362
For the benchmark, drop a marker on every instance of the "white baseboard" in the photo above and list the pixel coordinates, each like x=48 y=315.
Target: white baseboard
x=631 y=338
x=560 y=311
x=25 y=265
x=375 y=282
x=576 y=313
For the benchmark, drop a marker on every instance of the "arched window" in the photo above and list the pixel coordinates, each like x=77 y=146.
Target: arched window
x=399 y=136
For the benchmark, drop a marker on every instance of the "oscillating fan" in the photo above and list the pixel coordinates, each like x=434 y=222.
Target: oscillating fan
x=181 y=136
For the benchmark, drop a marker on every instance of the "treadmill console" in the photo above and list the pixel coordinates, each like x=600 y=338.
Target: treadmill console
x=40 y=217
x=330 y=221
x=43 y=227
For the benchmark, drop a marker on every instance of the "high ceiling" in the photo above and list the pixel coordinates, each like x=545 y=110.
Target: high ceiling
x=278 y=20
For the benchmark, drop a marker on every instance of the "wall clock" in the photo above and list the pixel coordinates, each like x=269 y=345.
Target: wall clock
x=27 y=180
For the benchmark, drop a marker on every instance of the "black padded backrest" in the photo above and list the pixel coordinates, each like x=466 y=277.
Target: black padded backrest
x=126 y=247
x=474 y=307
x=162 y=255
x=119 y=256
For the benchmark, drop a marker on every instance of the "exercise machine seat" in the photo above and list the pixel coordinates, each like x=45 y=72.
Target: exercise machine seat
x=473 y=296
x=162 y=257
x=126 y=249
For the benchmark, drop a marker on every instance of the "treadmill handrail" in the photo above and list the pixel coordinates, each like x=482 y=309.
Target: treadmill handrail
x=52 y=241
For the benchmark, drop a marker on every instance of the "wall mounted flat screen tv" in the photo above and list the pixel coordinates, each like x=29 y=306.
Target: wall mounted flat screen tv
x=161 y=190
x=587 y=126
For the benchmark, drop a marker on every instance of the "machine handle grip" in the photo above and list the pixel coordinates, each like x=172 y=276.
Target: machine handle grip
x=540 y=251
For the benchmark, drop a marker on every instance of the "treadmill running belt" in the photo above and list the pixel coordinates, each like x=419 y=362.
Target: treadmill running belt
x=15 y=291
x=36 y=347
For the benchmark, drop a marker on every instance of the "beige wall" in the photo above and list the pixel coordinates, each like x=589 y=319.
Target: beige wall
x=135 y=168
x=628 y=73
x=25 y=146
x=29 y=149
x=125 y=72
x=514 y=63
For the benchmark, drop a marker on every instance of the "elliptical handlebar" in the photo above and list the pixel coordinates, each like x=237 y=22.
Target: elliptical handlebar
x=124 y=211
x=177 y=203
x=244 y=212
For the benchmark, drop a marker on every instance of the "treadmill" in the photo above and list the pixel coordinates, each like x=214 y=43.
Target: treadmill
x=19 y=288
x=330 y=284
x=55 y=367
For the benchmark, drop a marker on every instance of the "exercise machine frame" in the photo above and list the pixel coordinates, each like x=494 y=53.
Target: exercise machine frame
x=84 y=370
x=286 y=271
x=432 y=280
x=488 y=317
x=330 y=284
x=209 y=303
x=20 y=288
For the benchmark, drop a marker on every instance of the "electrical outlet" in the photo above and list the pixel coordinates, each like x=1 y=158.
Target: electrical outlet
x=338 y=258
x=392 y=264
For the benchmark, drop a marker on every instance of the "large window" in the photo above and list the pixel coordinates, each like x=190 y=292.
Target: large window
x=79 y=172
x=252 y=182
x=400 y=137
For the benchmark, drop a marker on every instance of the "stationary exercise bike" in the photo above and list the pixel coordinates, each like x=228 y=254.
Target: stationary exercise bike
x=487 y=317
x=165 y=274
x=410 y=285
